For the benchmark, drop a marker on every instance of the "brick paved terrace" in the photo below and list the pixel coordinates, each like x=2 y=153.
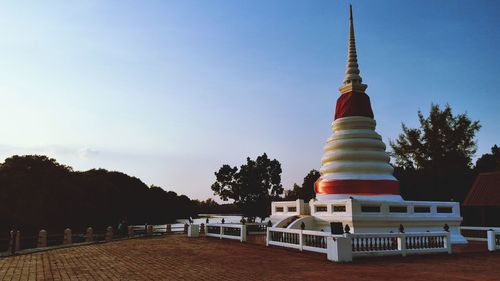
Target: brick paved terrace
x=176 y=257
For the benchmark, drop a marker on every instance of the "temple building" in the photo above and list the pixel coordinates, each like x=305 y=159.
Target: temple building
x=357 y=191
x=482 y=204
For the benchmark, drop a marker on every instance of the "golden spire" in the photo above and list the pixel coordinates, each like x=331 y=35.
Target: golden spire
x=352 y=80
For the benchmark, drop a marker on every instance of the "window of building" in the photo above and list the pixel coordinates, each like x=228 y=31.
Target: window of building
x=370 y=209
x=444 y=210
x=321 y=208
x=292 y=209
x=339 y=208
x=422 y=209
x=279 y=209
x=398 y=209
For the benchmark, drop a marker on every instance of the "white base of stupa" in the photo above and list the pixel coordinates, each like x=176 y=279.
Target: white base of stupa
x=382 y=215
x=331 y=197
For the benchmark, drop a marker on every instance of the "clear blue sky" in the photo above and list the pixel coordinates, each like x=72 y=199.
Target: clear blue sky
x=168 y=91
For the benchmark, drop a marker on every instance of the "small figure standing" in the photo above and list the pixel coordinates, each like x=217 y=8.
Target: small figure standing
x=223 y=221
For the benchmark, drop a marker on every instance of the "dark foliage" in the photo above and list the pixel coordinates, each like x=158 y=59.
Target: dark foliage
x=252 y=187
x=209 y=206
x=306 y=190
x=489 y=162
x=37 y=192
x=434 y=162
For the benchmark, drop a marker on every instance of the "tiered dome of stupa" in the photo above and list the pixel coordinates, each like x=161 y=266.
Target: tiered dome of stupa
x=355 y=163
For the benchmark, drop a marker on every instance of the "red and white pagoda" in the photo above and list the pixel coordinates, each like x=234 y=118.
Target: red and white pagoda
x=357 y=187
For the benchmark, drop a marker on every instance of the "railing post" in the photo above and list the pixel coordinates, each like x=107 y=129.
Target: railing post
x=169 y=228
x=402 y=243
x=12 y=242
x=150 y=229
x=109 y=234
x=221 y=231
x=18 y=240
x=243 y=233
x=42 y=239
x=490 y=236
x=339 y=249
x=67 y=237
x=193 y=230
x=130 y=231
x=447 y=242
x=89 y=235
x=301 y=240
x=268 y=236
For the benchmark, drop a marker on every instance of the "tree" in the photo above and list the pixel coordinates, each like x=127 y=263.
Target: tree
x=306 y=190
x=441 y=139
x=434 y=162
x=293 y=194
x=252 y=187
x=37 y=192
x=489 y=162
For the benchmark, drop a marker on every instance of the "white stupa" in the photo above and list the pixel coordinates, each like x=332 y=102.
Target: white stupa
x=355 y=163
x=357 y=187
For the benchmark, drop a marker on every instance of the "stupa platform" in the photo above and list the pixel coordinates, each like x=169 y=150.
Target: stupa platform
x=369 y=215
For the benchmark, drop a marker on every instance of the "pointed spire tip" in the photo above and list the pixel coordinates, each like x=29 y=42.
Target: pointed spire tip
x=352 y=80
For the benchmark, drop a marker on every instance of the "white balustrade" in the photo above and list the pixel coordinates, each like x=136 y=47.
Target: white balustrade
x=307 y=240
x=227 y=231
x=479 y=233
x=256 y=227
x=378 y=244
x=342 y=248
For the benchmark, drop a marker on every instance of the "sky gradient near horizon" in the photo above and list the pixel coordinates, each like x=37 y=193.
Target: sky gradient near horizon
x=168 y=91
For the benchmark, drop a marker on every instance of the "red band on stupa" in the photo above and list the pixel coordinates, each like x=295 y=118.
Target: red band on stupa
x=357 y=187
x=353 y=104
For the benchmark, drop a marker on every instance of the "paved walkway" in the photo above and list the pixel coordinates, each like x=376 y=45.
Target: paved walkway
x=177 y=257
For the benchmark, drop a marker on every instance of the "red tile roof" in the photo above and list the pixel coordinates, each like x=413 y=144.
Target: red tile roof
x=485 y=191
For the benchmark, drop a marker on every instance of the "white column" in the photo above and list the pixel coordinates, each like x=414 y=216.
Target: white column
x=301 y=240
x=402 y=244
x=447 y=242
x=491 y=240
x=193 y=230
x=243 y=233
x=339 y=249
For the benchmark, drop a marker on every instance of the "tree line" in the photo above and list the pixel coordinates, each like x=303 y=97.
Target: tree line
x=37 y=192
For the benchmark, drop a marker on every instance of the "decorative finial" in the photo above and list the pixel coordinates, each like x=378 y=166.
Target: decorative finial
x=352 y=80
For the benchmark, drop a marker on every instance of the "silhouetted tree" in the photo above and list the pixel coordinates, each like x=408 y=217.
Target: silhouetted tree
x=489 y=162
x=433 y=162
x=37 y=192
x=293 y=194
x=210 y=206
x=306 y=190
x=252 y=187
